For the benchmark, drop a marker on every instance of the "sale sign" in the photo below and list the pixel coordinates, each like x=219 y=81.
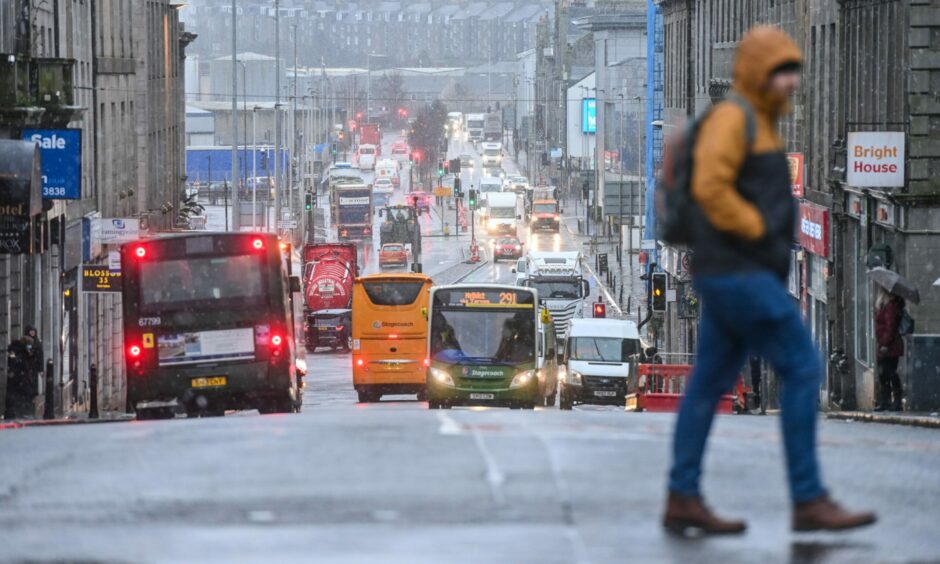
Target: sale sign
x=875 y=159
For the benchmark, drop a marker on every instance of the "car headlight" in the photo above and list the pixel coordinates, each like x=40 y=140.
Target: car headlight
x=574 y=377
x=522 y=379
x=441 y=377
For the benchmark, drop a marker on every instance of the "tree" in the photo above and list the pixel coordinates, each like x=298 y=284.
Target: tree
x=427 y=133
x=391 y=90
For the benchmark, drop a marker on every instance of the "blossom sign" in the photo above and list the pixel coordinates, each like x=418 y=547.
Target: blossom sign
x=875 y=159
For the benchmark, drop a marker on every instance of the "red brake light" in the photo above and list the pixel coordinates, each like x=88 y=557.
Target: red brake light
x=276 y=340
x=134 y=350
x=427 y=362
x=258 y=243
x=359 y=362
x=340 y=327
x=141 y=252
x=393 y=335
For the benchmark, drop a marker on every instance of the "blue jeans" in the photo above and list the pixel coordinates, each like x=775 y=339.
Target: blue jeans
x=750 y=313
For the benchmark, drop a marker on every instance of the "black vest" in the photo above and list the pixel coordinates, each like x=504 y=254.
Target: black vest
x=764 y=180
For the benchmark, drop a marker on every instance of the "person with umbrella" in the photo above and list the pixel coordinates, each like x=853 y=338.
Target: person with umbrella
x=889 y=310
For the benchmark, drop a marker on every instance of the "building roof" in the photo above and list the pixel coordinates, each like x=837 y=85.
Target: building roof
x=497 y=11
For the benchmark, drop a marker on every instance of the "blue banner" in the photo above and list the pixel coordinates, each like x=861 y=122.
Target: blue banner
x=61 y=153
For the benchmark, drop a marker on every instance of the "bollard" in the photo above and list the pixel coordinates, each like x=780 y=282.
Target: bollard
x=49 y=407
x=93 y=389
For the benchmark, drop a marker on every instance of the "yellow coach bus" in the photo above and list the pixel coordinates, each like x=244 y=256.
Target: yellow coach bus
x=389 y=335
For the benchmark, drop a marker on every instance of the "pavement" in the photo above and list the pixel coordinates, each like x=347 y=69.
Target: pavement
x=389 y=482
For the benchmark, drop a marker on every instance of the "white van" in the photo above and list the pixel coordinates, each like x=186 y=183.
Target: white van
x=366 y=157
x=596 y=361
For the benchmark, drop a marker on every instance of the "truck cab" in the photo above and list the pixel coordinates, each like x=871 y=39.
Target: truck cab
x=492 y=154
x=561 y=285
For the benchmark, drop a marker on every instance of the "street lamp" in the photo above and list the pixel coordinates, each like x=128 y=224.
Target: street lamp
x=254 y=169
x=369 y=85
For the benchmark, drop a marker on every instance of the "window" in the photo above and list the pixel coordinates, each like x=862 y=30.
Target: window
x=183 y=283
x=862 y=301
x=603 y=349
x=392 y=293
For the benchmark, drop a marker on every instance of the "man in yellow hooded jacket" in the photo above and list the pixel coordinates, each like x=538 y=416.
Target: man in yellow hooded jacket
x=741 y=237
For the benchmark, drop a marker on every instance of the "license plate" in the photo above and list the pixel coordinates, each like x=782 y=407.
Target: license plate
x=213 y=382
x=482 y=396
x=324 y=328
x=605 y=394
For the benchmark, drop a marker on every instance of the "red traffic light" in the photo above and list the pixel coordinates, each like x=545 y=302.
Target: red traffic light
x=600 y=309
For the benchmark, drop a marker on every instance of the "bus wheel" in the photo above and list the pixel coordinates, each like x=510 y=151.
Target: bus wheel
x=367 y=396
x=284 y=403
x=152 y=413
x=434 y=404
x=565 y=403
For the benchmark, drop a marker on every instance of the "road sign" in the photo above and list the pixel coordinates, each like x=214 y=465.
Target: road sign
x=648 y=245
x=98 y=278
x=287 y=224
x=602 y=263
x=443 y=191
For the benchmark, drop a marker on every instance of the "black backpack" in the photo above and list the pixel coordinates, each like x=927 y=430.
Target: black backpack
x=674 y=202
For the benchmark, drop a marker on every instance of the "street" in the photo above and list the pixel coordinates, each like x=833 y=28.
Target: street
x=344 y=482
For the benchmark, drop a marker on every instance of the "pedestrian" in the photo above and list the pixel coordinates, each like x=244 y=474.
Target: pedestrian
x=21 y=379
x=742 y=233
x=888 y=311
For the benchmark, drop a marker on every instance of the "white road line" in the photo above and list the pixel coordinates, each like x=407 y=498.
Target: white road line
x=578 y=546
x=494 y=476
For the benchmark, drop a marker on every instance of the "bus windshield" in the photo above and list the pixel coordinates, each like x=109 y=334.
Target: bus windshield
x=476 y=124
x=603 y=349
x=544 y=208
x=483 y=337
x=492 y=152
x=192 y=283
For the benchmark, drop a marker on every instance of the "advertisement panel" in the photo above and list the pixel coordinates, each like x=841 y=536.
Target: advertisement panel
x=118 y=230
x=589 y=115
x=205 y=346
x=795 y=162
x=814 y=228
x=61 y=151
x=875 y=159
x=99 y=278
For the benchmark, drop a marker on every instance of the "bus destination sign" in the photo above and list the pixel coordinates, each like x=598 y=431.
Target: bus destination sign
x=99 y=278
x=484 y=297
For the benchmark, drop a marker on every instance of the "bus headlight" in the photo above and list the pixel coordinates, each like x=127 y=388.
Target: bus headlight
x=441 y=377
x=573 y=377
x=522 y=379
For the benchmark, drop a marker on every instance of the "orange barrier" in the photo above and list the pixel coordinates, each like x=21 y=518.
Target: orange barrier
x=659 y=388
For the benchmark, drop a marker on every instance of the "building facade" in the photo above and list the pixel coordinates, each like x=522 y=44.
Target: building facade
x=121 y=85
x=870 y=78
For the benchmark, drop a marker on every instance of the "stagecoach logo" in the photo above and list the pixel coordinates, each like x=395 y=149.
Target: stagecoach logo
x=391 y=324
x=376 y=324
x=477 y=372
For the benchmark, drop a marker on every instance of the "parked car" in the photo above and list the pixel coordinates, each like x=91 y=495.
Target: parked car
x=393 y=254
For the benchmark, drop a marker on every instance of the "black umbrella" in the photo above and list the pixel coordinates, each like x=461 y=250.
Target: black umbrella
x=894 y=283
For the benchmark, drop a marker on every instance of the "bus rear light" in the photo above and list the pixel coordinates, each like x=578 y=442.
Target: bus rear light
x=276 y=340
x=141 y=252
x=427 y=362
x=340 y=327
x=393 y=335
x=359 y=362
x=134 y=351
x=258 y=243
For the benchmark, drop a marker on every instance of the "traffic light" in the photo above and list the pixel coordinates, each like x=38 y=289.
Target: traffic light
x=600 y=310
x=455 y=166
x=310 y=200
x=658 y=291
x=457 y=193
x=333 y=148
x=440 y=168
x=446 y=167
x=472 y=199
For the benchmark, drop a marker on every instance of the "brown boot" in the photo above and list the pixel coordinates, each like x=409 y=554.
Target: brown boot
x=685 y=512
x=823 y=514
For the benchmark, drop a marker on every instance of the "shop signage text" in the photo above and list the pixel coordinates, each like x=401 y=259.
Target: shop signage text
x=876 y=159
x=814 y=229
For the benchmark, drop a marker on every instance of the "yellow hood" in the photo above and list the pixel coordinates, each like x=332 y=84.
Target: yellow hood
x=763 y=49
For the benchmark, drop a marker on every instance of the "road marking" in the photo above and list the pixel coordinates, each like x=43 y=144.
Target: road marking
x=578 y=546
x=261 y=516
x=494 y=476
x=610 y=299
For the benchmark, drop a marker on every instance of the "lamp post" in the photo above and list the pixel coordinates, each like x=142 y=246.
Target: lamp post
x=277 y=111
x=254 y=169
x=234 y=176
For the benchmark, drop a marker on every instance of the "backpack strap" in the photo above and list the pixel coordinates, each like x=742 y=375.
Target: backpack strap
x=750 y=121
